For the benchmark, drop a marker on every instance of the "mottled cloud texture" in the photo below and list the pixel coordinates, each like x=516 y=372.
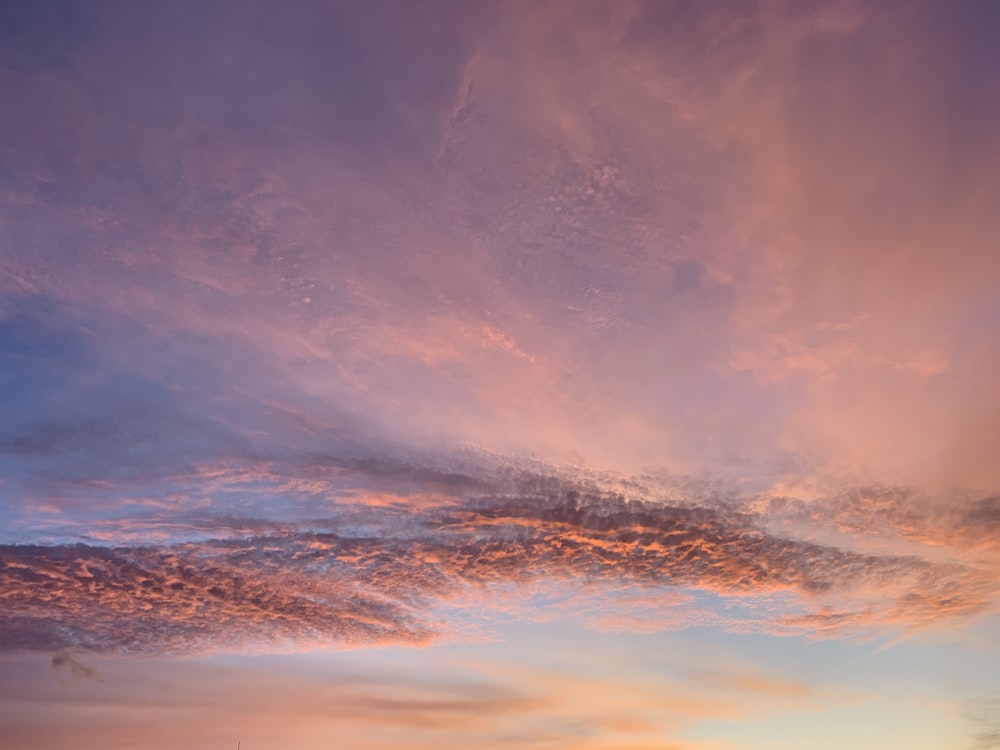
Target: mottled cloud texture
x=389 y=573
x=332 y=325
x=260 y=297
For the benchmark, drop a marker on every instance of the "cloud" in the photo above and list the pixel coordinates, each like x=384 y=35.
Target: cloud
x=66 y=658
x=170 y=601
x=283 y=318
x=985 y=717
x=370 y=576
x=160 y=522
x=259 y=699
x=960 y=520
x=245 y=282
x=432 y=698
x=43 y=36
x=654 y=265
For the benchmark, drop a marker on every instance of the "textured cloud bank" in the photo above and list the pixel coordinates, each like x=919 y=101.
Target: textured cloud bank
x=236 y=280
x=401 y=573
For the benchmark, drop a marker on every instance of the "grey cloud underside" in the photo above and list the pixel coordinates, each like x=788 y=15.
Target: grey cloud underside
x=385 y=582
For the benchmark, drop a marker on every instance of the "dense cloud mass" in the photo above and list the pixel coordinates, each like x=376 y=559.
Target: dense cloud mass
x=386 y=576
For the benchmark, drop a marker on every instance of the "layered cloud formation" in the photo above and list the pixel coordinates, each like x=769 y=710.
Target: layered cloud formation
x=707 y=239
x=345 y=325
x=384 y=570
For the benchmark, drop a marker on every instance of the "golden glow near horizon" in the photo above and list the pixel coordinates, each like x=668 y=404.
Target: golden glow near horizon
x=591 y=376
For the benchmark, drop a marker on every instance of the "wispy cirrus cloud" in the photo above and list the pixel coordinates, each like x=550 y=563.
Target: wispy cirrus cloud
x=426 y=705
x=159 y=522
x=655 y=266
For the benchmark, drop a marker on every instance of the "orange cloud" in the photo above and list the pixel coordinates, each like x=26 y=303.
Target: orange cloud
x=391 y=578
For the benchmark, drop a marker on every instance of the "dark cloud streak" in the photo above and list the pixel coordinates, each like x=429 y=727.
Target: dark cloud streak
x=77 y=667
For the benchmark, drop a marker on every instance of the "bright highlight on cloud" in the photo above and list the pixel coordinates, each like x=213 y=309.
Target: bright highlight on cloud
x=372 y=573
x=362 y=327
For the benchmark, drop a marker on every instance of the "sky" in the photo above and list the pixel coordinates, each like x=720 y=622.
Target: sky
x=552 y=374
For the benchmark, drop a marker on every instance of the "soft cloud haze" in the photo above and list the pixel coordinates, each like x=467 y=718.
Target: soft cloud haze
x=499 y=374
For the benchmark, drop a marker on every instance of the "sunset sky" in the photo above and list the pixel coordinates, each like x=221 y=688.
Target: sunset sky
x=546 y=374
